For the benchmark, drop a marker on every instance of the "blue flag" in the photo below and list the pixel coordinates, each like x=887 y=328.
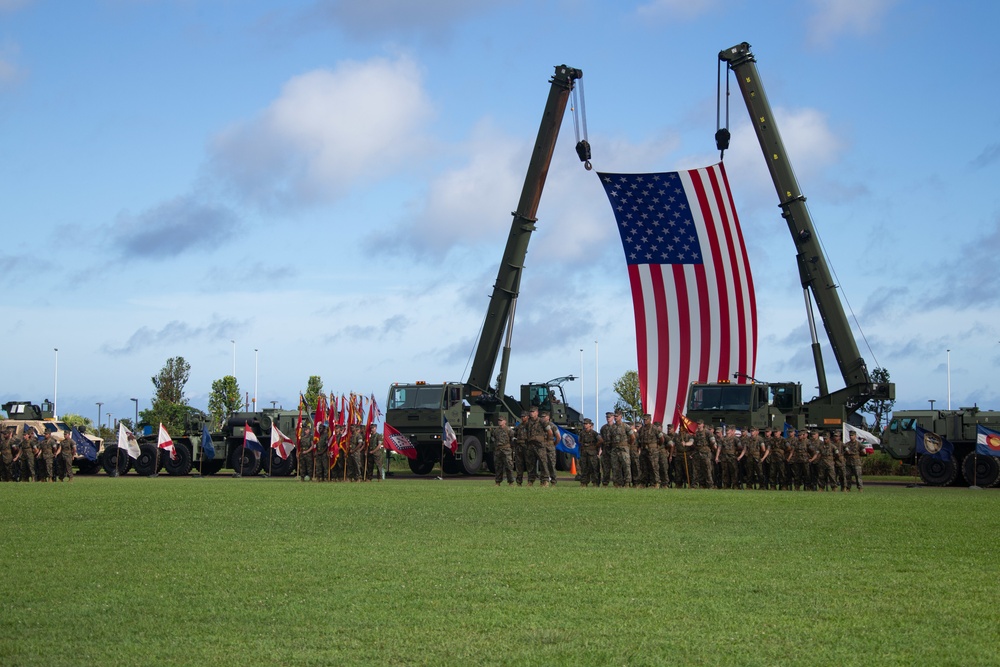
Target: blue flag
x=207 y=450
x=84 y=447
x=987 y=441
x=568 y=442
x=933 y=445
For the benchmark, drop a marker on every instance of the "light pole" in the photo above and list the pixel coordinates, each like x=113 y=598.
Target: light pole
x=234 y=357
x=55 y=387
x=931 y=401
x=109 y=420
x=581 y=385
x=597 y=386
x=99 y=404
x=135 y=424
x=255 y=379
x=949 y=379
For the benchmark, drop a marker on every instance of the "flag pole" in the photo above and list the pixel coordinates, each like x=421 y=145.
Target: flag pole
x=975 y=469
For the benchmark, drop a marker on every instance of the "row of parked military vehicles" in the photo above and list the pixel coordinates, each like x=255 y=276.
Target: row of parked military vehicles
x=227 y=448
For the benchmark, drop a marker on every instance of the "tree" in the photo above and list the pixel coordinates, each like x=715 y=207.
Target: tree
x=76 y=421
x=169 y=405
x=629 y=399
x=170 y=381
x=224 y=400
x=879 y=408
x=313 y=391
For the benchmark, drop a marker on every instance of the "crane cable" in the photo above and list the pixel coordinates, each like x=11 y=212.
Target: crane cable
x=579 y=109
x=722 y=134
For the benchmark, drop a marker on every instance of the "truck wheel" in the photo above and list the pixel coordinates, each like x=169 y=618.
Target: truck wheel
x=451 y=466
x=180 y=463
x=279 y=467
x=472 y=455
x=210 y=467
x=980 y=470
x=936 y=472
x=244 y=461
x=116 y=458
x=420 y=466
x=147 y=463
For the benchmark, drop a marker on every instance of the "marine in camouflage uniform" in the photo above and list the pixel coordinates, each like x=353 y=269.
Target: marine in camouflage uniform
x=773 y=459
x=621 y=467
x=376 y=457
x=306 y=453
x=649 y=440
x=823 y=457
x=852 y=453
x=47 y=448
x=680 y=459
x=519 y=449
x=503 y=453
x=26 y=454
x=551 y=440
x=66 y=451
x=798 y=459
x=633 y=453
x=356 y=453
x=6 y=457
x=839 y=463
x=812 y=443
x=725 y=456
x=752 y=446
x=606 y=449
x=590 y=457
x=666 y=446
x=701 y=458
x=322 y=471
x=534 y=433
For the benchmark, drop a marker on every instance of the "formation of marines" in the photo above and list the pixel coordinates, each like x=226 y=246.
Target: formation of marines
x=321 y=457
x=33 y=457
x=621 y=455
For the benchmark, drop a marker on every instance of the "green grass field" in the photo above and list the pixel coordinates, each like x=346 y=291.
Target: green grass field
x=222 y=571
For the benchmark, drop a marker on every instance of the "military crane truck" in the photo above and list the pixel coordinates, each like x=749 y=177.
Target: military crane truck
x=418 y=409
x=958 y=427
x=770 y=405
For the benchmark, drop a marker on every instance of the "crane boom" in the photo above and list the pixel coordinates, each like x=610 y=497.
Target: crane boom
x=508 y=283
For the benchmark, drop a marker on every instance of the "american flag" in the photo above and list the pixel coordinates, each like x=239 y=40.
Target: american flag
x=695 y=310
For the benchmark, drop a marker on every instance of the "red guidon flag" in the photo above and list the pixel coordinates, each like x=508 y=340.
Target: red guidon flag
x=399 y=443
x=692 y=292
x=164 y=442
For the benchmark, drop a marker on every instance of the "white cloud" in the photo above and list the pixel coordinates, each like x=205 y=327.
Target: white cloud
x=327 y=131
x=855 y=17
x=684 y=10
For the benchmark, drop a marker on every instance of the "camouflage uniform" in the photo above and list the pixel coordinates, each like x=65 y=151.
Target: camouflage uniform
x=798 y=457
x=519 y=449
x=606 y=450
x=503 y=454
x=852 y=452
x=376 y=457
x=633 y=454
x=590 y=462
x=648 y=439
x=534 y=432
x=680 y=463
x=751 y=459
x=701 y=459
x=355 y=460
x=827 y=474
x=839 y=464
x=322 y=471
x=725 y=456
x=775 y=459
x=26 y=447
x=551 y=438
x=305 y=455
x=48 y=453
x=68 y=451
x=6 y=457
x=666 y=444
x=621 y=468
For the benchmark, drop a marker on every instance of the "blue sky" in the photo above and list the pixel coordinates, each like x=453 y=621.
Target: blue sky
x=330 y=183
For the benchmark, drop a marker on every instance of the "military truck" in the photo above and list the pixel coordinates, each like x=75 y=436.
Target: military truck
x=742 y=400
x=418 y=409
x=899 y=440
x=227 y=443
x=21 y=414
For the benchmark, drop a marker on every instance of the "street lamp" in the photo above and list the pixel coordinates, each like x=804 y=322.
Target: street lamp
x=255 y=379
x=55 y=387
x=931 y=401
x=99 y=404
x=234 y=357
x=109 y=420
x=135 y=424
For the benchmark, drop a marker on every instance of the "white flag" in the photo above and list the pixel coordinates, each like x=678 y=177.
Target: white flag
x=281 y=443
x=164 y=442
x=127 y=441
